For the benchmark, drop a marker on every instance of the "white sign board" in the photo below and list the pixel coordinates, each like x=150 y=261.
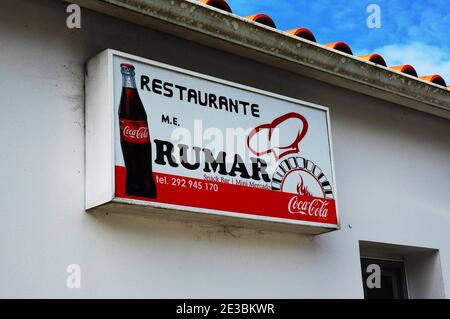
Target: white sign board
x=186 y=141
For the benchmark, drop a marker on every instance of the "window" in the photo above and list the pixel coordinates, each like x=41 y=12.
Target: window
x=392 y=280
x=392 y=271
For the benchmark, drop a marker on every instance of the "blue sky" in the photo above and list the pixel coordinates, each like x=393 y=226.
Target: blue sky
x=415 y=32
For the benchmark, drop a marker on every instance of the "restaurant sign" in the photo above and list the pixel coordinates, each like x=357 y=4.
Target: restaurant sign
x=161 y=136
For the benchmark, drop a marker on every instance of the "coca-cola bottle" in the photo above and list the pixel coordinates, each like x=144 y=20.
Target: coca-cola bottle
x=135 y=138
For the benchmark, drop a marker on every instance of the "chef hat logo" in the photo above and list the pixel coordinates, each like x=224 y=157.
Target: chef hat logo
x=281 y=137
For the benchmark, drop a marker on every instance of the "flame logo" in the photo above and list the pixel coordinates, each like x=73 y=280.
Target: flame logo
x=302 y=189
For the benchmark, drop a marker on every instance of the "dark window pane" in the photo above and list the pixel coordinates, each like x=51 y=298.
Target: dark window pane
x=393 y=281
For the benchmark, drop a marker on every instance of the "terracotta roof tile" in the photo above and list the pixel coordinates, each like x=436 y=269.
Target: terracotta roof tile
x=405 y=68
x=434 y=78
x=375 y=58
x=263 y=19
x=219 y=4
x=339 y=46
x=303 y=33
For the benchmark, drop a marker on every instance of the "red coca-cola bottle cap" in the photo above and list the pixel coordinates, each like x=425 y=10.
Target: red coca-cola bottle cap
x=128 y=66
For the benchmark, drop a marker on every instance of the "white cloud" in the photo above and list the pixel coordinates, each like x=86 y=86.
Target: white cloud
x=425 y=58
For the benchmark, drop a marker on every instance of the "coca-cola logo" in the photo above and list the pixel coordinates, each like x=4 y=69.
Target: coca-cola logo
x=312 y=207
x=134 y=131
x=139 y=133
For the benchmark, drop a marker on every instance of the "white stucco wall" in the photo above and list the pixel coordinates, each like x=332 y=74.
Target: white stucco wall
x=392 y=173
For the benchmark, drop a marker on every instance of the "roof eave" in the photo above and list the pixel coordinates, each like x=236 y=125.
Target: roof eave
x=231 y=33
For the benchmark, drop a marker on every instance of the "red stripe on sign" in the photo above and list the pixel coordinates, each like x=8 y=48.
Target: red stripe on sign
x=199 y=193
